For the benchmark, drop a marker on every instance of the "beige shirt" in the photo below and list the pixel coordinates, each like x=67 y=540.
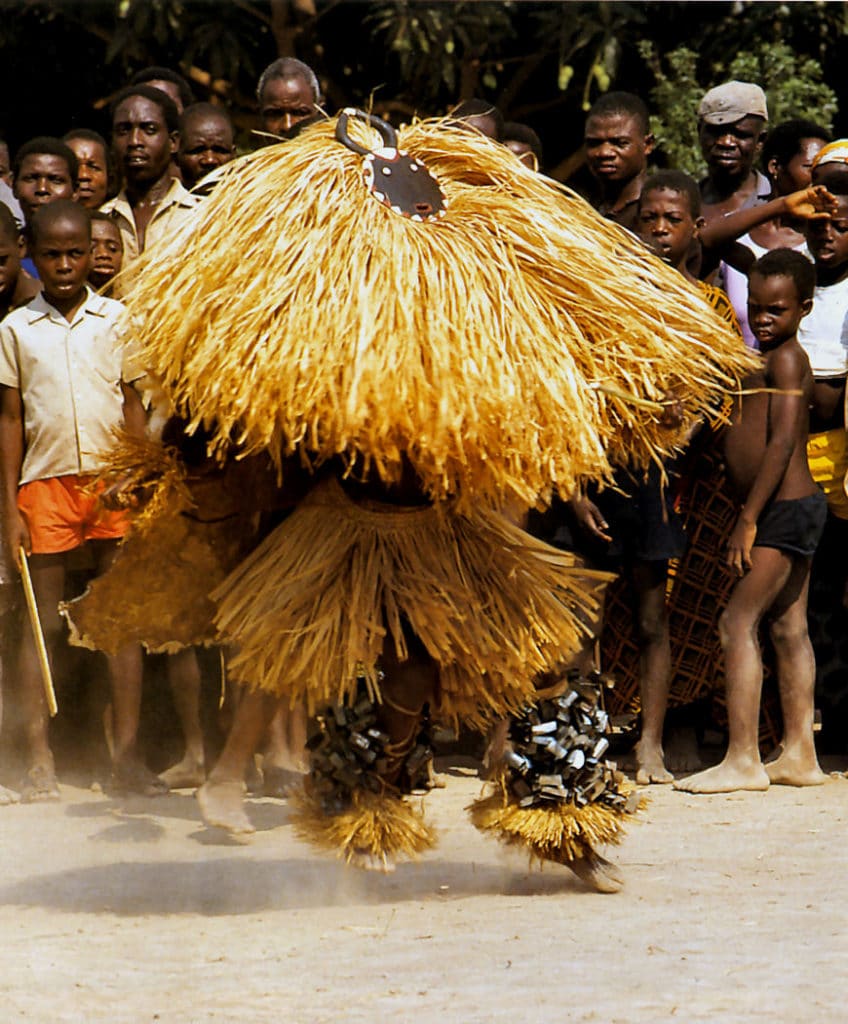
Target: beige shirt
x=69 y=375
x=174 y=204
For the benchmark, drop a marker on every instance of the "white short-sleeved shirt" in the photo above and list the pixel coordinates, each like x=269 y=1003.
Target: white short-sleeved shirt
x=823 y=333
x=69 y=375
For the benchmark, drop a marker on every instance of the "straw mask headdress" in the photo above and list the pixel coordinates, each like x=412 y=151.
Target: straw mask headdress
x=497 y=334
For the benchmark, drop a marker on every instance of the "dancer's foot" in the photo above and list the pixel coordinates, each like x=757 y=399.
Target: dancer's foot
x=186 y=774
x=40 y=785
x=597 y=872
x=727 y=777
x=650 y=765
x=790 y=768
x=222 y=806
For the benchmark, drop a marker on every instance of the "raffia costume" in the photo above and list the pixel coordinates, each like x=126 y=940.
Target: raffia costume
x=477 y=329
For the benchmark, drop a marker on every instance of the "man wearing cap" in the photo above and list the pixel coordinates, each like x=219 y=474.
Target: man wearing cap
x=732 y=121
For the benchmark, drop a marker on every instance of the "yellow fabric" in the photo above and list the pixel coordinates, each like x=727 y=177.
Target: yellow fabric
x=827 y=455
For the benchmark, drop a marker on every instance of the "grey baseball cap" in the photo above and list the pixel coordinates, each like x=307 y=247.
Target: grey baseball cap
x=730 y=102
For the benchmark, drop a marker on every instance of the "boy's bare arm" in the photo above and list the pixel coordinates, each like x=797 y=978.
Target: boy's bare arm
x=787 y=370
x=15 y=530
x=807 y=204
x=135 y=418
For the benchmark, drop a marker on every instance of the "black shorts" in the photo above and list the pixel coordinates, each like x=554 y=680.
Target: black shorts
x=642 y=523
x=794 y=526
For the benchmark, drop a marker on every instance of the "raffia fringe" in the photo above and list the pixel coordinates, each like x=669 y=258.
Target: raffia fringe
x=382 y=825
x=150 y=468
x=504 y=349
x=309 y=611
x=560 y=832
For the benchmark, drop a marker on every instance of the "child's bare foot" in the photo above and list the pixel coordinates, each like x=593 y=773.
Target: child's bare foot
x=132 y=777
x=793 y=769
x=597 y=872
x=726 y=777
x=8 y=796
x=40 y=785
x=222 y=806
x=650 y=765
x=186 y=774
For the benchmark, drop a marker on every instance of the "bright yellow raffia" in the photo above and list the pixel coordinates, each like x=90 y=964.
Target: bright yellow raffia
x=559 y=832
x=292 y=309
x=382 y=826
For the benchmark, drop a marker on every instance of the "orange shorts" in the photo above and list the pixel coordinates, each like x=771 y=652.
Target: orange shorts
x=61 y=517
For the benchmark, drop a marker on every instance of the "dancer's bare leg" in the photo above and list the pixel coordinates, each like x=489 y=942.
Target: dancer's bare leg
x=184 y=678
x=649 y=581
x=756 y=592
x=796 y=763
x=221 y=797
x=406 y=687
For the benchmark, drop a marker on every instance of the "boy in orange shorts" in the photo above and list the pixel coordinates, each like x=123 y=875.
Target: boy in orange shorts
x=65 y=385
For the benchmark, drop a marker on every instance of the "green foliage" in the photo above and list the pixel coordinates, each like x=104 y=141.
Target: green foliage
x=431 y=42
x=793 y=84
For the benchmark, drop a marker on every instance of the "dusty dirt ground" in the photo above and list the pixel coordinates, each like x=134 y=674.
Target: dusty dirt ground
x=733 y=910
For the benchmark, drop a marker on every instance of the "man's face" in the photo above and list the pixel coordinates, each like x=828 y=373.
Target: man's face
x=62 y=256
x=616 y=149
x=665 y=224
x=93 y=172
x=827 y=239
x=205 y=143
x=42 y=178
x=141 y=140
x=731 y=149
x=774 y=309
x=12 y=251
x=285 y=102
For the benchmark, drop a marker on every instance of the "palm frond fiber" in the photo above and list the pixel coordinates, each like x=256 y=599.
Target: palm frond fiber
x=517 y=343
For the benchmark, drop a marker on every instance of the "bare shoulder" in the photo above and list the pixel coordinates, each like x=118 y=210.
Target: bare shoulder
x=788 y=366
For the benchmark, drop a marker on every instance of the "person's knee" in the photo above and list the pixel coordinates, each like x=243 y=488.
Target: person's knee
x=789 y=632
x=652 y=626
x=734 y=629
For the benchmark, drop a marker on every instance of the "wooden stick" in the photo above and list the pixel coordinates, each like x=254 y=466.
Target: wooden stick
x=38 y=635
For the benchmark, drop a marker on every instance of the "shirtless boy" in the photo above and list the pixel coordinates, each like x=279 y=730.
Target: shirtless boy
x=781 y=518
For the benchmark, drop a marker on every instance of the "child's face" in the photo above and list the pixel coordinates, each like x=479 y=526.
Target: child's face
x=827 y=239
x=62 y=256
x=774 y=309
x=107 y=251
x=42 y=178
x=666 y=225
x=11 y=253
